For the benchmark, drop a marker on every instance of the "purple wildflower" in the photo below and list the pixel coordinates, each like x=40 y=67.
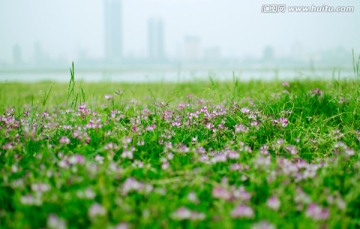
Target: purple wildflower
x=64 y=140
x=77 y=159
x=245 y=110
x=242 y=211
x=122 y=226
x=241 y=194
x=111 y=146
x=31 y=200
x=184 y=213
x=286 y=84
x=54 y=222
x=263 y=225
x=40 y=187
x=221 y=193
x=176 y=123
x=317 y=91
x=291 y=149
x=264 y=149
x=192 y=197
x=127 y=154
x=316 y=212
x=233 y=155
x=273 y=203
x=284 y=122
x=150 y=128
x=239 y=128
x=96 y=210
x=108 y=97
x=99 y=159
x=131 y=185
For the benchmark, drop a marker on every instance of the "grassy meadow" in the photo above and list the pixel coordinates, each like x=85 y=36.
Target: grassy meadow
x=187 y=155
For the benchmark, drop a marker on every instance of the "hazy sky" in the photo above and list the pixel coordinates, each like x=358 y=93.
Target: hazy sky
x=65 y=27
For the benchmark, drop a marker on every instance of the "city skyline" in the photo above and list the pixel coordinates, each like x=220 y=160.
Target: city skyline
x=75 y=30
x=113 y=30
x=156 y=39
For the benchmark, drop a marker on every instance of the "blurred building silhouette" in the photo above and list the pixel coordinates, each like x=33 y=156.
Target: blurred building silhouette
x=212 y=54
x=268 y=54
x=156 y=39
x=113 y=30
x=192 y=48
x=17 y=55
x=39 y=55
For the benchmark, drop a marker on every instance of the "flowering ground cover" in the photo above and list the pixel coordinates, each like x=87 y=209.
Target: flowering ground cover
x=187 y=155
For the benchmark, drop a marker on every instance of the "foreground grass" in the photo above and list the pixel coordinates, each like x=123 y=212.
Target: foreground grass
x=195 y=155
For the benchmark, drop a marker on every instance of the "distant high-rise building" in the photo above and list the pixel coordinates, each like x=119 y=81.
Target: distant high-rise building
x=268 y=53
x=156 y=39
x=113 y=30
x=192 y=48
x=212 y=54
x=17 y=55
x=39 y=55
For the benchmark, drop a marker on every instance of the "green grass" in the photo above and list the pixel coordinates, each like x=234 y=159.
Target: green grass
x=142 y=182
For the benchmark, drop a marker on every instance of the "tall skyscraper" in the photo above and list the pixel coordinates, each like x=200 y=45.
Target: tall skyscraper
x=17 y=55
x=192 y=48
x=156 y=39
x=113 y=30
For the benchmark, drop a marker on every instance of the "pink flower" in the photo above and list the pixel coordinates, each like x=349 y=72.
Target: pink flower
x=31 y=200
x=286 y=84
x=291 y=149
x=165 y=165
x=181 y=213
x=96 y=210
x=349 y=152
x=221 y=193
x=184 y=213
x=273 y=203
x=108 y=97
x=209 y=125
x=7 y=146
x=130 y=185
x=150 y=128
x=40 y=187
x=182 y=106
x=317 y=91
x=111 y=146
x=99 y=159
x=77 y=159
x=54 y=222
x=176 y=123
x=284 y=122
x=64 y=140
x=192 y=197
x=245 y=110
x=242 y=211
x=239 y=128
x=316 y=212
x=127 y=154
x=264 y=149
x=233 y=155
x=122 y=226
x=254 y=123
x=263 y=225
x=241 y=194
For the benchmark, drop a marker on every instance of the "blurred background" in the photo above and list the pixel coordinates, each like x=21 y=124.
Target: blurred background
x=174 y=40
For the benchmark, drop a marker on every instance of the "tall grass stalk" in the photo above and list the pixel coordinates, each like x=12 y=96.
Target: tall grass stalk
x=79 y=96
x=356 y=65
x=46 y=95
x=71 y=87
